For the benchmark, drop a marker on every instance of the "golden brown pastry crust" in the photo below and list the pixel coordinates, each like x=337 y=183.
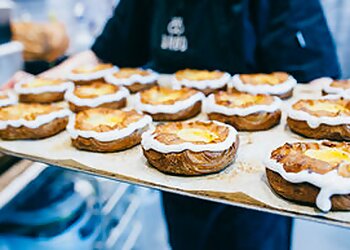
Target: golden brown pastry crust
x=92 y=69
x=283 y=96
x=188 y=162
x=82 y=70
x=191 y=163
x=26 y=111
x=96 y=86
x=260 y=78
x=208 y=91
x=111 y=105
x=153 y=95
x=294 y=160
x=45 y=130
x=91 y=144
x=242 y=100
x=185 y=114
x=324 y=131
x=122 y=119
x=200 y=75
x=125 y=118
x=87 y=82
x=341 y=84
x=47 y=97
x=136 y=87
x=167 y=132
x=148 y=97
x=303 y=193
x=269 y=79
x=110 y=89
x=253 y=122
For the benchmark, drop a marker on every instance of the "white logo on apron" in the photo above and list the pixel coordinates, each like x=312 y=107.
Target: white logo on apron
x=175 y=41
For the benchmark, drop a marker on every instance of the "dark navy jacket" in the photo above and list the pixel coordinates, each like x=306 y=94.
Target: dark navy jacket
x=238 y=36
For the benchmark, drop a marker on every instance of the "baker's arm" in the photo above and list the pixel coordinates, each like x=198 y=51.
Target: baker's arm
x=293 y=36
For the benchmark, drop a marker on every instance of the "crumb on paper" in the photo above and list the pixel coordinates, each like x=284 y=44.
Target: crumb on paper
x=247 y=139
x=245 y=167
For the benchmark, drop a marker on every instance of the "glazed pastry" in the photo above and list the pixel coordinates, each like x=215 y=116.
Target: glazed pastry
x=166 y=104
x=7 y=98
x=245 y=112
x=202 y=80
x=278 y=84
x=32 y=121
x=312 y=173
x=190 y=148
x=42 y=90
x=96 y=94
x=336 y=87
x=135 y=79
x=96 y=72
x=325 y=118
x=107 y=130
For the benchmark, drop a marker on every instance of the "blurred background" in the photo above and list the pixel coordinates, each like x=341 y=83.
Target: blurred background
x=44 y=207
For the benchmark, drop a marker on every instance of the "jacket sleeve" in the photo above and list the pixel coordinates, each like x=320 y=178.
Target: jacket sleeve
x=125 y=38
x=293 y=36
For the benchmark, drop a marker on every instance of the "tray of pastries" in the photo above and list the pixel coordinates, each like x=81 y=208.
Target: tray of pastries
x=282 y=148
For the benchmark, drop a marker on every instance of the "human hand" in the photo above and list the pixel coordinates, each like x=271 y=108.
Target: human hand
x=17 y=77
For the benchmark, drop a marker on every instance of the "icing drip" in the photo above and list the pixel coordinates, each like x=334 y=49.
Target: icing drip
x=330 y=183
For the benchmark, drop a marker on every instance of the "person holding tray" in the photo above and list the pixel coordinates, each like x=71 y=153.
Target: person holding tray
x=237 y=36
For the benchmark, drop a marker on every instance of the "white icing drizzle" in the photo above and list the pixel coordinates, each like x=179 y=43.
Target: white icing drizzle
x=202 y=84
x=330 y=183
x=94 y=102
x=210 y=106
x=136 y=78
x=333 y=90
x=38 y=121
x=281 y=88
x=168 y=108
x=149 y=142
x=112 y=135
x=314 y=121
x=62 y=87
x=11 y=99
x=93 y=75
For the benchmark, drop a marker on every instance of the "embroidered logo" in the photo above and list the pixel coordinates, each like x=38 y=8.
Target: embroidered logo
x=175 y=41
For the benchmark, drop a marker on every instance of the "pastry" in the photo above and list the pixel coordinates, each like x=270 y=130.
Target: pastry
x=107 y=130
x=203 y=80
x=42 y=90
x=95 y=72
x=245 y=112
x=166 y=104
x=96 y=94
x=325 y=118
x=190 y=148
x=135 y=79
x=278 y=83
x=312 y=173
x=32 y=121
x=7 y=98
x=336 y=87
